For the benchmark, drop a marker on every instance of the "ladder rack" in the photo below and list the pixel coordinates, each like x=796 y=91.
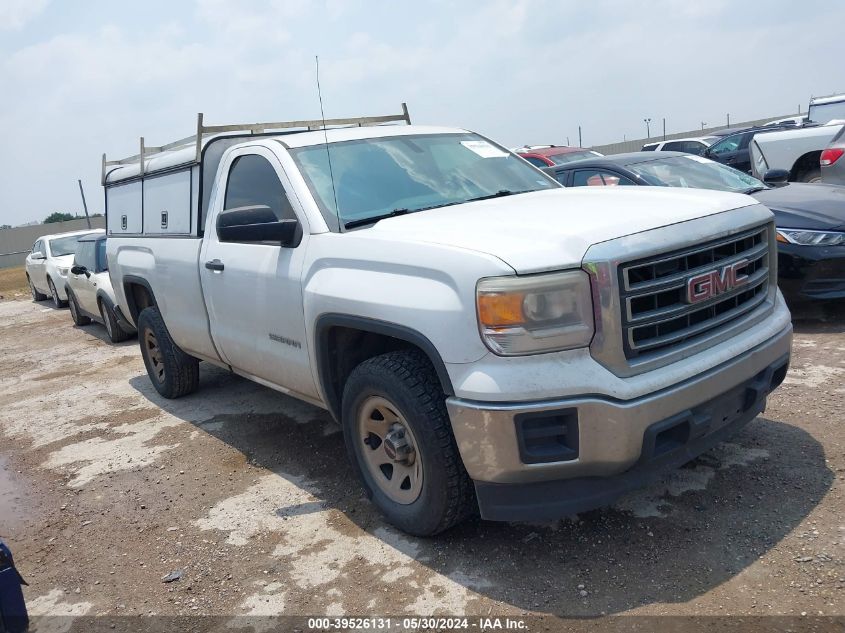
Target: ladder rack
x=206 y=131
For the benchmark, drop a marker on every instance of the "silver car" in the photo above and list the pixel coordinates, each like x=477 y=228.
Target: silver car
x=832 y=163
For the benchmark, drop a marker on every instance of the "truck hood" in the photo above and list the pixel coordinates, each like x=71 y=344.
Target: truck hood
x=806 y=206
x=552 y=229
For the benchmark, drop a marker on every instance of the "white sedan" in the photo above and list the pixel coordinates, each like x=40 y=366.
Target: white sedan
x=48 y=264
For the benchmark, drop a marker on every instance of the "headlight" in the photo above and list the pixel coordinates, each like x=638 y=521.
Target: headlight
x=810 y=238
x=63 y=271
x=541 y=313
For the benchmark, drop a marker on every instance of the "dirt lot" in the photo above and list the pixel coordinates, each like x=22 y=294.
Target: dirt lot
x=13 y=283
x=105 y=488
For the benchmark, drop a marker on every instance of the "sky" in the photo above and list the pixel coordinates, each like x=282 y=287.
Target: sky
x=79 y=78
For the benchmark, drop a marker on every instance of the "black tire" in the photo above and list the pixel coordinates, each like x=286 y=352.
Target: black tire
x=37 y=295
x=54 y=295
x=408 y=381
x=116 y=333
x=172 y=372
x=75 y=314
x=812 y=175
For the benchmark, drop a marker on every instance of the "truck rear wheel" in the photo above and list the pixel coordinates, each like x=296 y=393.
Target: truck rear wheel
x=811 y=175
x=172 y=372
x=399 y=439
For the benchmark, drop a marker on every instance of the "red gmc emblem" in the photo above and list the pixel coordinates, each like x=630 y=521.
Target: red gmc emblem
x=715 y=282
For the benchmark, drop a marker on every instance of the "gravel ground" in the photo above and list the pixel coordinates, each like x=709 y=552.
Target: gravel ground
x=105 y=488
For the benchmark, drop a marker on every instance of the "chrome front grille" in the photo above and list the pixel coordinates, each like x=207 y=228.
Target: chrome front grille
x=656 y=312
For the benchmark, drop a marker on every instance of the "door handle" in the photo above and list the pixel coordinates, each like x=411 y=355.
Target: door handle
x=214 y=264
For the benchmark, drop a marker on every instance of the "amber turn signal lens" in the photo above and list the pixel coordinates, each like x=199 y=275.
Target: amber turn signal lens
x=497 y=310
x=780 y=238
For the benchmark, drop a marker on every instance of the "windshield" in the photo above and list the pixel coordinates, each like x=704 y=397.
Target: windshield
x=825 y=112
x=560 y=159
x=380 y=177
x=696 y=172
x=64 y=245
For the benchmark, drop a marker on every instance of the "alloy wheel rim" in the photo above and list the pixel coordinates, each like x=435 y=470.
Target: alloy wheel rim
x=390 y=450
x=155 y=355
x=32 y=290
x=54 y=293
x=72 y=305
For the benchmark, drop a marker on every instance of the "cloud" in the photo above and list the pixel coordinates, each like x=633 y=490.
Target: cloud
x=517 y=70
x=16 y=14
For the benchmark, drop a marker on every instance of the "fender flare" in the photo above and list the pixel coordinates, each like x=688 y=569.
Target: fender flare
x=324 y=324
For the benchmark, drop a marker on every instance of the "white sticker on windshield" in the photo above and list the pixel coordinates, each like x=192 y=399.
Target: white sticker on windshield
x=698 y=159
x=484 y=149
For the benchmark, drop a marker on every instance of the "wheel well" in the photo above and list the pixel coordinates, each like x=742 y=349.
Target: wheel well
x=808 y=162
x=138 y=297
x=341 y=348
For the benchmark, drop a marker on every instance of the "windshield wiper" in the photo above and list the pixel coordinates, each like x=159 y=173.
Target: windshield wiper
x=373 y=219
x=403 y=211
x=501 y=193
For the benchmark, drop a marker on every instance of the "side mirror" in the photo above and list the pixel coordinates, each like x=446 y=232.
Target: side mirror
x=76 y=269
x=776 y=176
x=38 y=256
x=257 y=223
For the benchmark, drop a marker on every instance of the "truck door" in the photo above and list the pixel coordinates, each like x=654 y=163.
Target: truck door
x=253 y=289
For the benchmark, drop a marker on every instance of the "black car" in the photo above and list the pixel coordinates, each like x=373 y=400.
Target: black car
x=733 y=149
x=810 y=218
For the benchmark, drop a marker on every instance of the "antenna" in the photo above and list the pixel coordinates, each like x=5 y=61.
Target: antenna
x=326 y=139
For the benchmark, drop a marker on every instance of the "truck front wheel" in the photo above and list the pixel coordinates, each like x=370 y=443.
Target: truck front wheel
x=400 y=442
x=172 y=372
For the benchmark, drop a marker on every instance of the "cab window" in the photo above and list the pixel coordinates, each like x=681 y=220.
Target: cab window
x=253 y=181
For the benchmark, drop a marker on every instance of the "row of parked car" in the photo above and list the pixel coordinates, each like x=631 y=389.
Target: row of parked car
x=71 y=270
x=797 y=149
x=809 y=211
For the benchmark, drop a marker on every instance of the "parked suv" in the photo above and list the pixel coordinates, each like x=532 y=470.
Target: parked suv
x=48 y=264
x=733 y=150
x=696 y=145
x=487 y=339
x=89 y=291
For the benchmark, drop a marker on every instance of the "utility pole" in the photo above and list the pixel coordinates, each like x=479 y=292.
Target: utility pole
x=84 y=204
x=729 y=119
x=567 y=141
x=647 y=127
x=702 y=125
x=664 y=128
x=580 y=143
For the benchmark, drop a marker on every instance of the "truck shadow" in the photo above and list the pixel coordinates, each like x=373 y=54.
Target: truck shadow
x=670 y=543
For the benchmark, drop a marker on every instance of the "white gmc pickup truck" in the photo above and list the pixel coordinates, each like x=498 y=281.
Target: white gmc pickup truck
x=488 y=340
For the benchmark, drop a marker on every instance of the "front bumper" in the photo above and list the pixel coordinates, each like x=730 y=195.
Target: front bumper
x=602 y=446
x=811 y=272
